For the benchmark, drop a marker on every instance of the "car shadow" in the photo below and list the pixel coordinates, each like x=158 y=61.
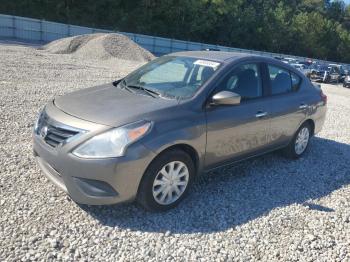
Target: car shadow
x=235 y=195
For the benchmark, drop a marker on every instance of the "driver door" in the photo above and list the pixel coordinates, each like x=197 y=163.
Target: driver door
x=237 y=131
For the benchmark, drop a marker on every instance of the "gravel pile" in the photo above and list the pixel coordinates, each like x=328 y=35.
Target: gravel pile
x=268 y=208
x=100 y=46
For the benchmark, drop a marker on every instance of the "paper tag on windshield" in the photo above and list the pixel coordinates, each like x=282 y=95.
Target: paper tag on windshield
x=207 y=63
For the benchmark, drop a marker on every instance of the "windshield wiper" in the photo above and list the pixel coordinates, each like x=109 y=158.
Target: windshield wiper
x=122 y=85
x=150 y=92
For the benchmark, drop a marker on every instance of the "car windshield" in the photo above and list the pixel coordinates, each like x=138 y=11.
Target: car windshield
x=334 y=70
x=172 y=76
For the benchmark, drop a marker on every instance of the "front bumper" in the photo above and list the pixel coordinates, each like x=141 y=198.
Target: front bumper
x=316 y=78
x=91 y=181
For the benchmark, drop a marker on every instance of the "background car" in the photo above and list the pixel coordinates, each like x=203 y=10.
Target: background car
x=338 y=69
x=303 y=68
x=319 y=73
x=335 y=74
x=346 y=82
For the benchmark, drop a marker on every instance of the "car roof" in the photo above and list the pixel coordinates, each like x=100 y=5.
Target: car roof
x=219 y=56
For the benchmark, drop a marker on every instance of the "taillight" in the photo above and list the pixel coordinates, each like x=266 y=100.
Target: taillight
x=323 y=97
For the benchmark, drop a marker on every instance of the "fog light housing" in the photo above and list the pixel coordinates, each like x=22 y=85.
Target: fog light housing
x=95 y=188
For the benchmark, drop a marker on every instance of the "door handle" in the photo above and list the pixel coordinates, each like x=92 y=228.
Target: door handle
x=303 y=106
x=260 y=114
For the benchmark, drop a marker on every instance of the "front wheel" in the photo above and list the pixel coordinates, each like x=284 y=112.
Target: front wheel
x=166 y=181
x=299 y=143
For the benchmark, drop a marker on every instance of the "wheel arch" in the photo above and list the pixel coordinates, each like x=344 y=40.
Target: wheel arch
x=311 y=123
x=190 y=150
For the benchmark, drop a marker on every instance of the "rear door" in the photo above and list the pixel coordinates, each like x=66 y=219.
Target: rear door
x=288 y=105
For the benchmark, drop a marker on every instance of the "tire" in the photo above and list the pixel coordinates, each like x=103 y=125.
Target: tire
x=153 y=181
x=292 y=151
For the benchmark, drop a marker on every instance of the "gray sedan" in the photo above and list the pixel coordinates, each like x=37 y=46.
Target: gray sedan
x=146 y=137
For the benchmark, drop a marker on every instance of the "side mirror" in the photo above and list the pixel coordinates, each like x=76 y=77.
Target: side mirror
x=226 y=98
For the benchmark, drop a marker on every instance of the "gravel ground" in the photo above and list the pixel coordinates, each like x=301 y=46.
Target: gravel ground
x=268 y=208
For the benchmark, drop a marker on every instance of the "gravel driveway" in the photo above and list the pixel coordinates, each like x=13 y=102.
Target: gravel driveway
x=268 y=208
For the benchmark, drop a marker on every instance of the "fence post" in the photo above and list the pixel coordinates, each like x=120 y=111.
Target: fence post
x=41 y=30
x=14 y=26
x=68 y=29
x=154 y=44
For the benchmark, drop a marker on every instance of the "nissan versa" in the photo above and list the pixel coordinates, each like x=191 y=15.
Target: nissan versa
x=147 y=136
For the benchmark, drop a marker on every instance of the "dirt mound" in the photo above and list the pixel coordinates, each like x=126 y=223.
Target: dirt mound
x=100 y=46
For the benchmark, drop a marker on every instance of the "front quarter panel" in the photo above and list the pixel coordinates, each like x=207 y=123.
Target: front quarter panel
x=184 y=126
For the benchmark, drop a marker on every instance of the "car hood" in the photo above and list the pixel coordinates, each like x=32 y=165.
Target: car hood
x=110 y=105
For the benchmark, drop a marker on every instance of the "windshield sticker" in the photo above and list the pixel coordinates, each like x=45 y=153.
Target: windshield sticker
x=207 y=63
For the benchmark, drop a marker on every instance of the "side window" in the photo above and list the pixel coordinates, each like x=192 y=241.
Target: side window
x=244 y=80
x=295 y=81
x=280 y=80
x=283 y=81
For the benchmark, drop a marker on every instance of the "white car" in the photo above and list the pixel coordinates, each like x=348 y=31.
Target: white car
x=302 y=68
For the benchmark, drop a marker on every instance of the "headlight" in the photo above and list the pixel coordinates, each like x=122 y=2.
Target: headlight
x=38 y=119
x=112 y=143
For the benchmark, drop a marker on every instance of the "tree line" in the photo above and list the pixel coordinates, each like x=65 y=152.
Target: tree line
x=311 y=28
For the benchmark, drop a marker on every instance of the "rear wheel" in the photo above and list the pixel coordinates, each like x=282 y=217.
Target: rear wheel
x=166 y=181
x=299 y=143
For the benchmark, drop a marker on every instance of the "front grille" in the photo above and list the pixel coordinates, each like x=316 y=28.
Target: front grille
x=54 y=133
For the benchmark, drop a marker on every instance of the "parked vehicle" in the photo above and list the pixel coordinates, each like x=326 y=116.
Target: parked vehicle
x=307 y=62
x=211 y=49
x=149 y=135
x=338 y=72
x=335 y=75
x=320 y=73
x=303 y=68
x=298 y=66
x=347 y=70
x=289 y=60
x=346 y=82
